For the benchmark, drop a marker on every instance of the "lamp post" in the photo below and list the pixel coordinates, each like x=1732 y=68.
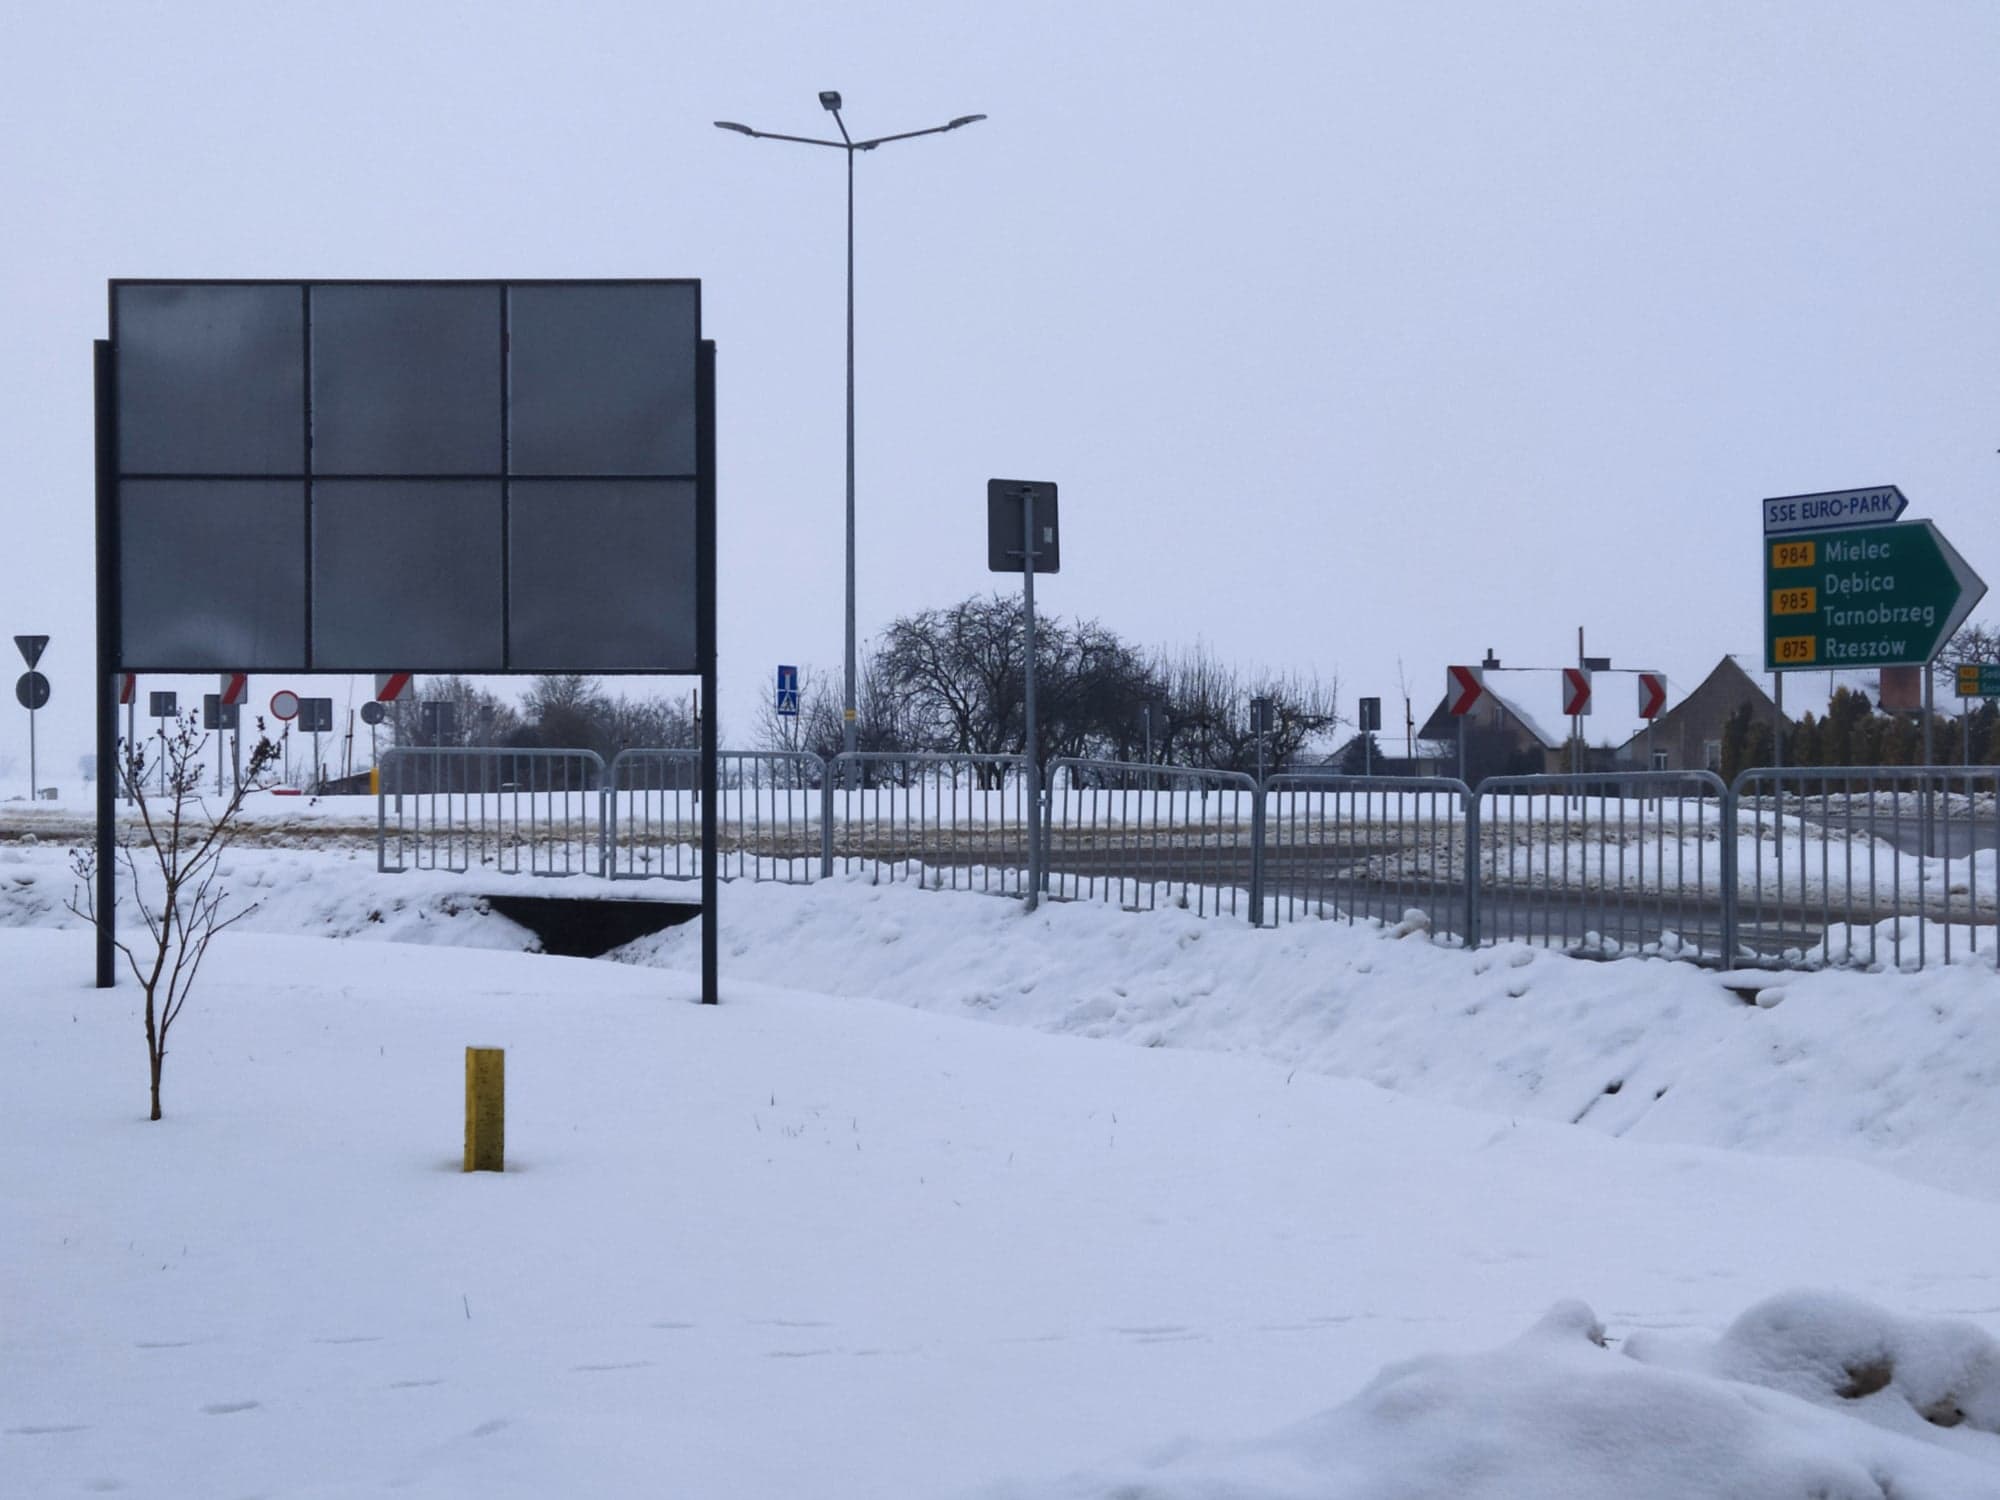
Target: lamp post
x=830 y=100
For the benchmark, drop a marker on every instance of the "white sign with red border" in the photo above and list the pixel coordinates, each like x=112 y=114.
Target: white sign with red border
x=1652 y=694
x=1576 y=691
x=285 y=705
x=1462 y=687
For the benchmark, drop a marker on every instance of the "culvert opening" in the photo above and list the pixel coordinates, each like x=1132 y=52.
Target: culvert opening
x=583 y=927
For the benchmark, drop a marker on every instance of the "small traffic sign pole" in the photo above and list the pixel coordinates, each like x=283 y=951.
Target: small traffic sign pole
x=33 y=691
x=128 y=690
x=1044 y=547
x=1034 y=765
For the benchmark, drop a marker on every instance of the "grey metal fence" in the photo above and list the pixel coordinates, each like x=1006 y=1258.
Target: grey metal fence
x=1136 y=834
x=1866 y=865
x=511 y=812
x=953 y=822
x=1354 y=848
x=1605 y=864
x=1794 y=868
x=771 y=816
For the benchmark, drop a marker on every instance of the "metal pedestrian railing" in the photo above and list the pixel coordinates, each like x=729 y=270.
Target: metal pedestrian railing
x=950 y=822
x=1866 y=865
x=510 y=812
x=1792 y=868
x=1136 y=835
x=771 y=816
x=1358 y=848
x=1606 y=864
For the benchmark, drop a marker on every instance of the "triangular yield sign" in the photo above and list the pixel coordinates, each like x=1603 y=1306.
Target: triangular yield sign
x=32 y=647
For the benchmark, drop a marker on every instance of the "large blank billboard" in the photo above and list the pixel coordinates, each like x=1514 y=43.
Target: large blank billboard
x=434 y=476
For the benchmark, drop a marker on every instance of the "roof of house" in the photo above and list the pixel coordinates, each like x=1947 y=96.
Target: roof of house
x=1615 y=720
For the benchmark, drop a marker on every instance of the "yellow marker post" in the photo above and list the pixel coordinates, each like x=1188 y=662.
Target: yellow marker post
x=485 y=1109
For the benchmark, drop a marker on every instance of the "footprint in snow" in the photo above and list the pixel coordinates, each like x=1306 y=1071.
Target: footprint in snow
x=48 y=1429
x=229 y=1408
x=411 y=1385
x=630 y=1364
x=353 y=1338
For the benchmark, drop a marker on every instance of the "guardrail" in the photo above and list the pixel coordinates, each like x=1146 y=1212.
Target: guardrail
x=1798 y=868
x=951 y=822
x=1852 y=864
x=1356 y=848
x=513 y=812
x=1129 y=833
x=1607 y=864
x=771 y=816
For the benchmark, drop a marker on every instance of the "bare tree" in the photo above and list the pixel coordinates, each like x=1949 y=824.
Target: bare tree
x=183 y=845
x=1969 y=646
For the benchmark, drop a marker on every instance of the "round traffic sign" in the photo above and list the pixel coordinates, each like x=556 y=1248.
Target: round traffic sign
x=32 y=689
x=371 y=712
x=285 y=705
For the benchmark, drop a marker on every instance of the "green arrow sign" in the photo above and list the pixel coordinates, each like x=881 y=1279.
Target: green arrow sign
x=1978 y=679
x=1880 y=596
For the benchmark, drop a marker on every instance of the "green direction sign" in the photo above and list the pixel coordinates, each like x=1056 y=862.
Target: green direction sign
x=1874 y=596
x=1978 y=679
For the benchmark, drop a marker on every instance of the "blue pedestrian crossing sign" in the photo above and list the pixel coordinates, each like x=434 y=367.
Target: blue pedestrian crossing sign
x=788 y=690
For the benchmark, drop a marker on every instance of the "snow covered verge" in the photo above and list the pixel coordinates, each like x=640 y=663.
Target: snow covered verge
x=1902 y=1071
x=800 y=1245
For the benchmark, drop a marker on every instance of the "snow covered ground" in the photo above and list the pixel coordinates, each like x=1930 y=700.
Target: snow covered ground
x=1219 y=1212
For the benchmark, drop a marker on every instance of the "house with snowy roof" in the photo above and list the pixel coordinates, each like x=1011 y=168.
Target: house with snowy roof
x=1502 y=736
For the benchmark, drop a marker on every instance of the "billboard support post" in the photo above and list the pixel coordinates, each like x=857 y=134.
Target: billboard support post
x=108 y=630
x=704 y=533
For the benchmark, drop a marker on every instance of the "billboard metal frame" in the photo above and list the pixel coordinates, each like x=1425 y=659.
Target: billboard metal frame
x=110 y=598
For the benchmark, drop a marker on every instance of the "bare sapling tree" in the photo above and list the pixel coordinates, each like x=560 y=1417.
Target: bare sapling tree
x=173 y=855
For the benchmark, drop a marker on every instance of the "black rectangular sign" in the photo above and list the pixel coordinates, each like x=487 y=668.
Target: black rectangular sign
x=442 y=476
x=1005 y=499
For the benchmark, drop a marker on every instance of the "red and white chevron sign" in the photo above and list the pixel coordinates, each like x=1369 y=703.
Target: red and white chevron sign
x=1652 y=694
x=1576 y=691
x=235 y=687
x=1462 y=687
x=389 y=686
x=128 y=687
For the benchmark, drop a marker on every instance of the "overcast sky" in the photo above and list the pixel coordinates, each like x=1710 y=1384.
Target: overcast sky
x=1359 y=337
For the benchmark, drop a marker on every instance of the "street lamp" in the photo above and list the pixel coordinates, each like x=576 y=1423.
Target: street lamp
x=830 y=100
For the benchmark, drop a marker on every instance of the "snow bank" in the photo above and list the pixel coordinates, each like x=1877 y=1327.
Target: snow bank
x=1900 y=1070
x=1768 y=1412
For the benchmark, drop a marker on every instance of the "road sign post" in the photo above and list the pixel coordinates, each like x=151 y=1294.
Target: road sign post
x=1371 y=723
x=1462 y=687
x=128 y=698
x=1652 y=698
x=316 y=719
x=161 y=707
x=32 y=691
x=1024 y=511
